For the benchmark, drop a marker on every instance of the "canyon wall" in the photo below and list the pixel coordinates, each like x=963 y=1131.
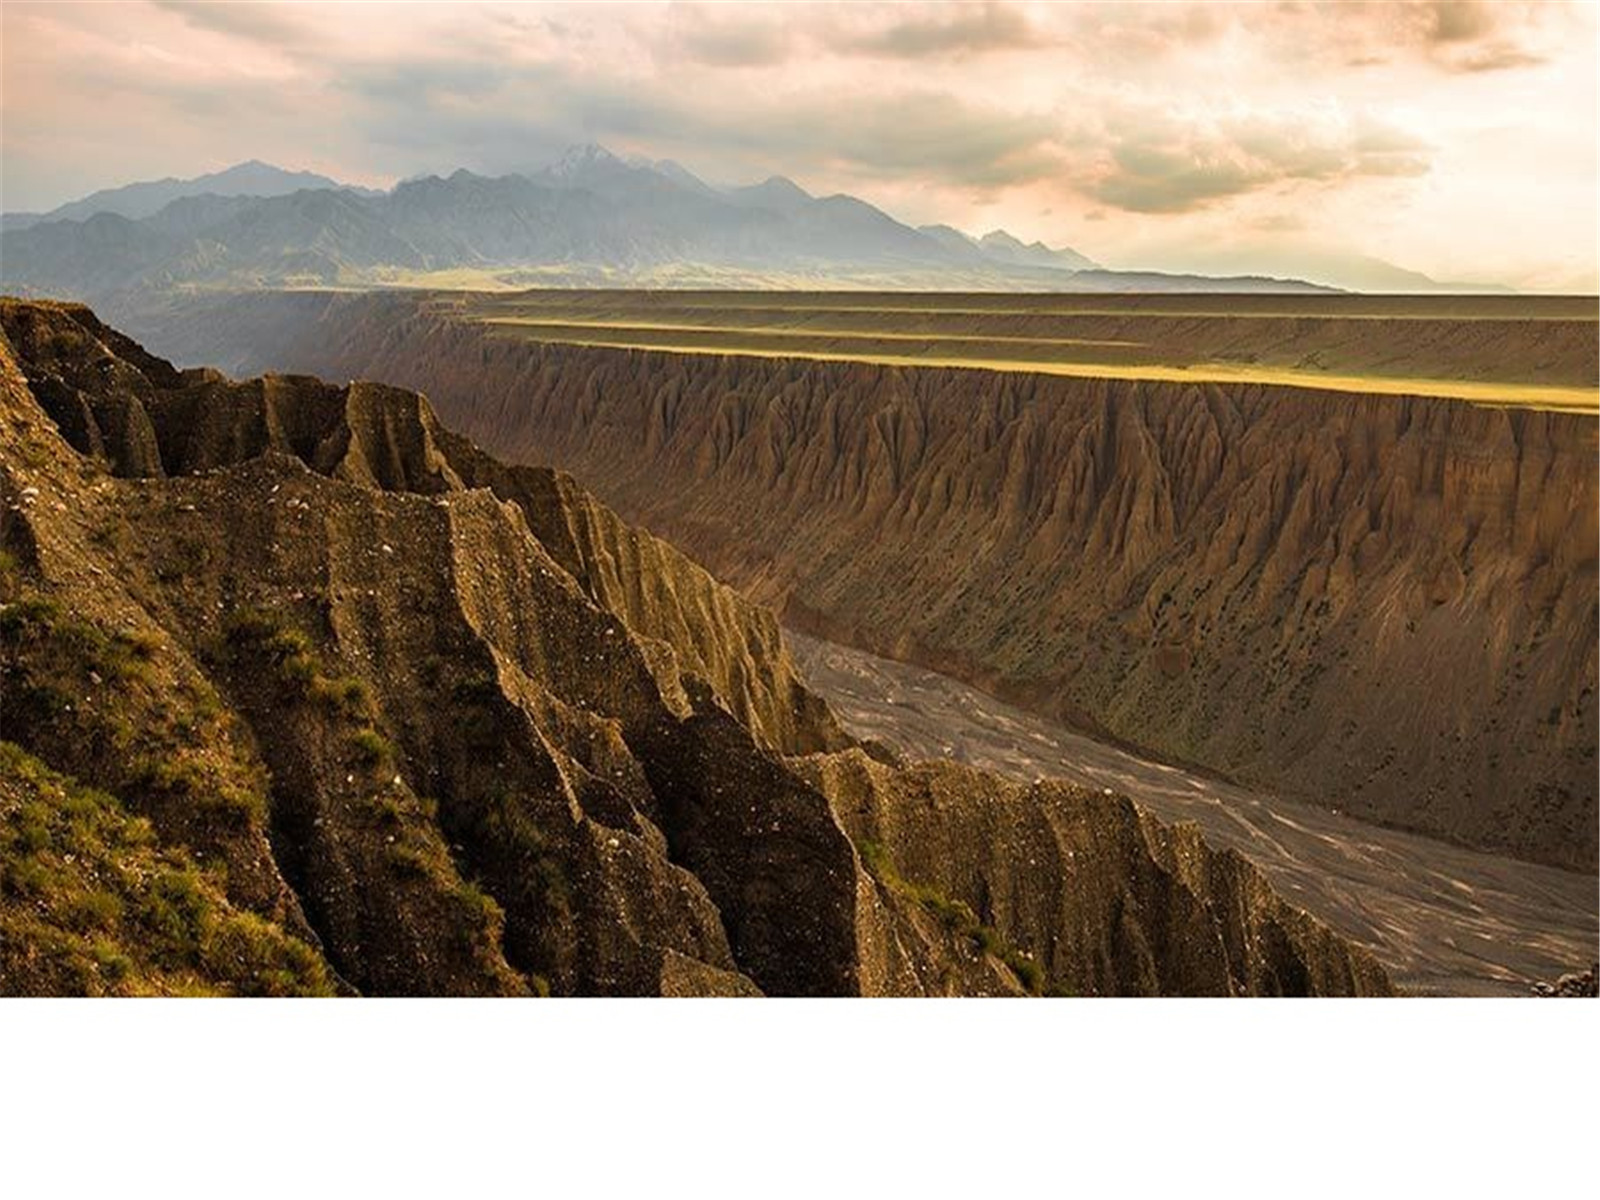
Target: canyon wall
x=1383 y=604
x=303 y=694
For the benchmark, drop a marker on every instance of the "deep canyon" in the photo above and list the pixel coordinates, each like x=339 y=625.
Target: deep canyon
x=1381 y=604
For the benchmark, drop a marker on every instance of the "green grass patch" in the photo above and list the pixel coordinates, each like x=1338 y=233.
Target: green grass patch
x=371 y=748
x=91 y=903
x=954 y=915
x=294 y=662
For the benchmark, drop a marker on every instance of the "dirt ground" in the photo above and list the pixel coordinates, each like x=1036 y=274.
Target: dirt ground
x=1443 y=920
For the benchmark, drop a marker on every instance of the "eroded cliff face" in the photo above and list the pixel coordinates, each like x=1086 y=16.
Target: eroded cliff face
x=303 y=694
x=1383 y=604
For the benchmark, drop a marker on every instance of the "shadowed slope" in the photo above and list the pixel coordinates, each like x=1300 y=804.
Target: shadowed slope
x=435 y=752
x=1386 y=604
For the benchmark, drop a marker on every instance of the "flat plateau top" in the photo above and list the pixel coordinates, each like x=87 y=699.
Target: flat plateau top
x=1534 y=351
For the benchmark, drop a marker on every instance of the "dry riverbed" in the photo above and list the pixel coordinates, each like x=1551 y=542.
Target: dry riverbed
x=1442 y=919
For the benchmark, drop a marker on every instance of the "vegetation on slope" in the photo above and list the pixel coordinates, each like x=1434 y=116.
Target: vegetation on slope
x=324 y=650
x=92 y=903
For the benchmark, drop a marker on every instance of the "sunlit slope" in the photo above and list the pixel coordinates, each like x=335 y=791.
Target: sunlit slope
x=1536 y=351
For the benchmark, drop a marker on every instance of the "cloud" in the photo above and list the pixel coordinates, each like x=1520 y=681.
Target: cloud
x=1457 y=36
x=1460 y=20
x=958 y=30
x=1153 y=162
x=1471 y=36
x=273 y=25
x=715 y=38
x=728 y=36
x=1497 y=57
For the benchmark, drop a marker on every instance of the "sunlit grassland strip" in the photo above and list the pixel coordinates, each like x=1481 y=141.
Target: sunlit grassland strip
x=779 y=331
x=1247 y=307
x=1581 y=400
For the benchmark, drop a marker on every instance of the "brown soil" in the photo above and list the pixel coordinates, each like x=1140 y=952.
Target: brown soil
x=1443 y=920
x=1381 y=604
x=427 y=724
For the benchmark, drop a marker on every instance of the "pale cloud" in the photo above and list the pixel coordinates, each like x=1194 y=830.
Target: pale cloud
x=960 y=31
x=1121 y=126
x=746 y=36
x=271 y=24
x=1163 y=162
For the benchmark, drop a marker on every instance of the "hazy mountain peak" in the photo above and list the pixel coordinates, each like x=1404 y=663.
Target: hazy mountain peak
x=783 y=184
x=675 y=171
x=147 y=197
x=577 y=160
x=999 y=237
x=1010 y=248
x=776 y=193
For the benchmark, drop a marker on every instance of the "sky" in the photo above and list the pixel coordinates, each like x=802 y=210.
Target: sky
x=1458 y=139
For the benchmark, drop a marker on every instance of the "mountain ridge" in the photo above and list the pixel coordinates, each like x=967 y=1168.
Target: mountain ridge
x=145 y=198
x=588 y=214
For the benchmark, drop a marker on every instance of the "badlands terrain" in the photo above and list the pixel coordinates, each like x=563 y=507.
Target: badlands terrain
x=1337 y=552
x=305 y=694
x=1443 y=920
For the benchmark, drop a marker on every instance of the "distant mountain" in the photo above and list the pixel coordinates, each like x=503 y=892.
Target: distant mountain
x=679 y=174
x=1305 y=259
x=588 y=218
x=1173 y=281
x=138 y=200
x=776 y=193
x=1362 y=273
x=1000 y=244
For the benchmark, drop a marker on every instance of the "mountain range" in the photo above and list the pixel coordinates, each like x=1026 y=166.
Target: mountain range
x=590 y=218
x=146 y=198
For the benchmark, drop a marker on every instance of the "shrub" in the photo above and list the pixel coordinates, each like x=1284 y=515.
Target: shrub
x=92 y=910
x=174 y=911
x=32 y=829
x=188 y=778
x=346 y=695
x=955 y=915
x=1028 y=972
x=32 y=611
x=410 y=861
x=371 y=748
x=186 y=558
x=142 y=644
x=479 y=907
x=113 y=965
x=245 y=625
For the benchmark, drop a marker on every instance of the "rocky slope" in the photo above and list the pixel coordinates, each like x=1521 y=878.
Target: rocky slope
x=302 y=694
x=306 y=695
x=1383 y=604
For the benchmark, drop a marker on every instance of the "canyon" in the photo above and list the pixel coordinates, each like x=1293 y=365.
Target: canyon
x=303 y=693
x=1379 y=603
x=1443 y=920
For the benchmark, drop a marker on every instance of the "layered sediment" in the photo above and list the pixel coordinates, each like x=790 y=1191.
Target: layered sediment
x=1384 y=604
x=304 y=694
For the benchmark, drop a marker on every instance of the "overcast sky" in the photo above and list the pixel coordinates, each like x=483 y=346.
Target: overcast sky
x=1457 y=139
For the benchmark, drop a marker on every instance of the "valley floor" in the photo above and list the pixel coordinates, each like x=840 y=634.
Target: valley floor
x=1442 y=919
